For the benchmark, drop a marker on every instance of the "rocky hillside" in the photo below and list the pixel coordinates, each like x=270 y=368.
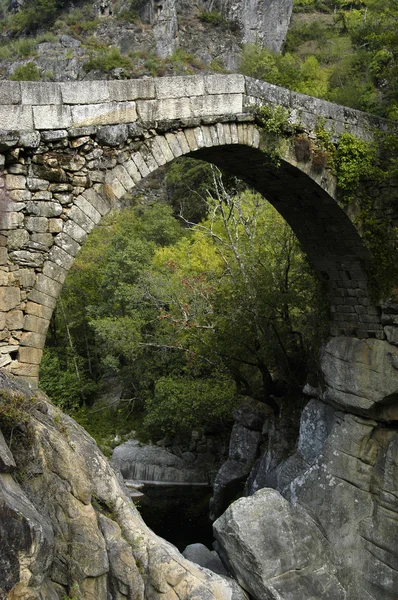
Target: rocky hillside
x=116 y=39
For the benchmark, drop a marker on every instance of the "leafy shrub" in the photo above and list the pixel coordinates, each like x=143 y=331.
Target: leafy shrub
x=26 y=72
x=35 y=14
x=14 y=409
x=214 y=17
x=184 y=403
x=106 y=60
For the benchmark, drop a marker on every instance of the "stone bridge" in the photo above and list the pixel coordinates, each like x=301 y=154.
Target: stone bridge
x=70 y=150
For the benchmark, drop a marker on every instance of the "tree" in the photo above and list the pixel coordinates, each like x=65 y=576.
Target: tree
x=239 y=293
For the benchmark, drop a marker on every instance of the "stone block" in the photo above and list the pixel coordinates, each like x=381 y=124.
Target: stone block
x=96 y=200
x=133 y=171
x=11 y=220
x=38 y=310
x=36 y=324
x=20 y=196
x=25 y=370
x=121 y=174
x=14 y=319
x=88 y=209
x=148 y=111
x=221 y=84
x=158 y=155
x=54 y=135
x=36 y=184
x=81 y=219
x=27 y=277
x=140 y=164
x=104 y=114
x=30 y=355
x=191 y=139
x=173 y=144
x=40 y=92
x=178 y=87
x=182 y=140
x=60 y=257
x=54 y=116
x=165 y=148
x=5 y=359
x=32 y=339
x=391 y=334
x=16 y=117
x=84 y=92
x=10 y=297
x=55 y=225
x=47 y=285
x=44 y=209
x=27 y=258
x=15 y=182
x=68 y=243
x=36 y=224
x=54 y=271
x=10 y=92
x=29 y=139
x=133 y=89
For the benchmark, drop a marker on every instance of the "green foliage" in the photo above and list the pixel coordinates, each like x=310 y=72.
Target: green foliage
x=184 y=403
x=35 y=14
x=106 y=60
x=305 y=76
x=63 y=381
x=274 y=119
x=214 y=17
x=354 y=162
x=27 y=72
x=15 y=409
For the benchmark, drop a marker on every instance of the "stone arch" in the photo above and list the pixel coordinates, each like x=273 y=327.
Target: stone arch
x=304 y=195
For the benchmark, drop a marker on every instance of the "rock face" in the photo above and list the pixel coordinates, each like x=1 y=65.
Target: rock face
x=244 y=448
x=344 y=474
x=154 y=463
x=362 y=375
x=276 y=550
x=263 y=22
x=68 y=528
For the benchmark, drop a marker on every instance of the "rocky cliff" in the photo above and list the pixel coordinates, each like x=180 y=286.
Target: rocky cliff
x=150 y=37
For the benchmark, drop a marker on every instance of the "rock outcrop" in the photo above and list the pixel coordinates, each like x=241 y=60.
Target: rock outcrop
x=68 y=527
x=244 y=449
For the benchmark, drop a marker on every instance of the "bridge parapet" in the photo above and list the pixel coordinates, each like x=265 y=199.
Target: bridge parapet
x=38 y=106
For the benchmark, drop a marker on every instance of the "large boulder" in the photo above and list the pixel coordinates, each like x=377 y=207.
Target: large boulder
x=276 y=550
x=362 y=376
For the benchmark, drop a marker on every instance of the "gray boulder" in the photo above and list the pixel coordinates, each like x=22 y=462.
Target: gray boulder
x=276 y=550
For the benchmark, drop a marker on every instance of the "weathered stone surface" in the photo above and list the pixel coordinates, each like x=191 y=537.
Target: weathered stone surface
x=7 y=462
x=154 y=463
x=362 y=375
x=112 y=135
x=10 y=297
x=201 y=555
x=276 y=549
x=244 y=445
